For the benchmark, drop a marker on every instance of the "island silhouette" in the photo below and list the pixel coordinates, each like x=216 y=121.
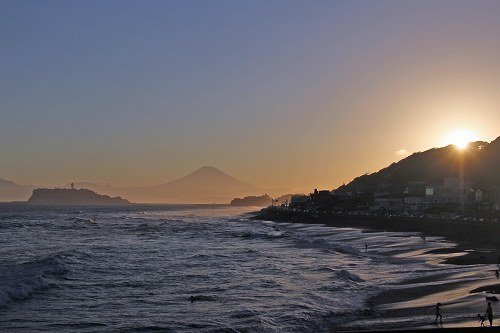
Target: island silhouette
x=73 y=196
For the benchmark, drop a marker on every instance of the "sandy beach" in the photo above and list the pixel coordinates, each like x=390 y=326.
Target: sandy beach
x=462 y=295
x=462 y=292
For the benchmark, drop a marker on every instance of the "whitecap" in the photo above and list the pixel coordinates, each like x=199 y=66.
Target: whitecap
x=20 y=281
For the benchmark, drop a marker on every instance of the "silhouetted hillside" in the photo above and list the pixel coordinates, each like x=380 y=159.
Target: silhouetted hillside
x=10 y=191
x=479 y=163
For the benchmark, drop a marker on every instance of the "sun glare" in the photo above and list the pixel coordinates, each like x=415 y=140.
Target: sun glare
x=460 y=138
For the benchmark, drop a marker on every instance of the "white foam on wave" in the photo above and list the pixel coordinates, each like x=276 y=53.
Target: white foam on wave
x=258 y=231
x=20 y=281
x=80 y=219
x=261 y=234
x=330 y=244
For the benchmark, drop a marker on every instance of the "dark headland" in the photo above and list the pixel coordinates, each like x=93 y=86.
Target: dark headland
x=73 y=196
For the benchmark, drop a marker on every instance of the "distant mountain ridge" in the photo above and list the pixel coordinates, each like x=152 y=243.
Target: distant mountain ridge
x=10 y=191
x=204 y=185
x=207 y=176
x=478 y=163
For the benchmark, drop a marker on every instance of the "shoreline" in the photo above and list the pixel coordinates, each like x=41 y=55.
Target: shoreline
x=408 y=305
x=480 y=242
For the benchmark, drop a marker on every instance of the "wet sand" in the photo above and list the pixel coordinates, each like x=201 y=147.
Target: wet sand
x=410 y=304
x=431 y=330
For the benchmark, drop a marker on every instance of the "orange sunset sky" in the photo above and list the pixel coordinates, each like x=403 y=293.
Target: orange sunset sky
x=288 y=94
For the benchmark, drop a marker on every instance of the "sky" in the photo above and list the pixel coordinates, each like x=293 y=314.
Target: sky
x=281 y=93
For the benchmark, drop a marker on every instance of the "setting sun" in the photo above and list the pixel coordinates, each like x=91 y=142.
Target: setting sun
x=460 y=138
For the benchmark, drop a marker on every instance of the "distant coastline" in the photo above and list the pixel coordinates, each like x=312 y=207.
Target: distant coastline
x=73 y=196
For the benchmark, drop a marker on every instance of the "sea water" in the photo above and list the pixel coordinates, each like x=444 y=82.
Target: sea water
x=134 y=269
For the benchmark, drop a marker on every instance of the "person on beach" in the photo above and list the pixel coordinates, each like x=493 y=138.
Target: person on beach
x=489 y=313
x=497 y=273
x=482 y=319
x=366 y=247
x=437 y=311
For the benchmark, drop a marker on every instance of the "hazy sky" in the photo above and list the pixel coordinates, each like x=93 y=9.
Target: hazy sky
x=295 y=94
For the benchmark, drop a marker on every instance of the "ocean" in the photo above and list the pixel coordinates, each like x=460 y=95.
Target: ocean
x=135 y=268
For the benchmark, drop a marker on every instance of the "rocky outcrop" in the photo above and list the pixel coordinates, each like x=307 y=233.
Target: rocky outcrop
x=261 y=201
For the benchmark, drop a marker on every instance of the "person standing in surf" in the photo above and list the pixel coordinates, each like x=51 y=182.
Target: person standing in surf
x=437 y=311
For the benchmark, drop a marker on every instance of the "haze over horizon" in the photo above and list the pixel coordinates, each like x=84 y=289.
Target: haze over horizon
x=283 y=94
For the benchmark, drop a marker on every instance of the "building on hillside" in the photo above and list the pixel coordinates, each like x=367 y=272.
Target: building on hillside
x=415 y=204
x=323 y=199
x=298 y=200
x=342 y=194
x=490 y=201
x=387 y=204
x=453 y=190
x=418 y=204
x=478 y=196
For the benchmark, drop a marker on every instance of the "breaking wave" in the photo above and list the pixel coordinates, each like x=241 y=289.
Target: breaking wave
x=345 y=274
x=20 y=281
